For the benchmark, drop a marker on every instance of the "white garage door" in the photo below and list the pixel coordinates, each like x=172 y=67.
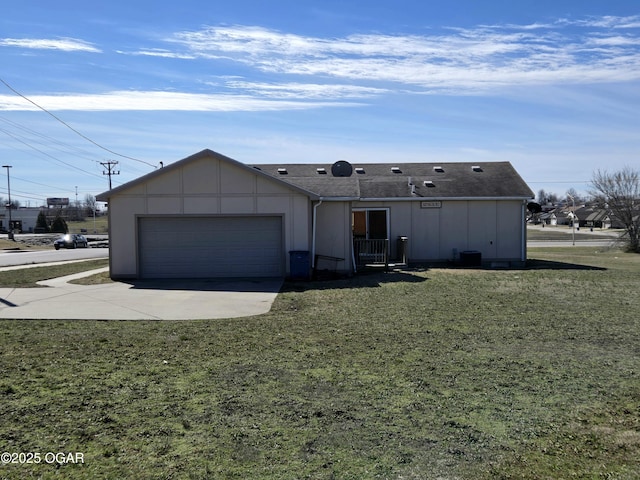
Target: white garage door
x=207 y=247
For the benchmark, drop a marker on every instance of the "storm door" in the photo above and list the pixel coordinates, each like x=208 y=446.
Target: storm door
x=370 y=224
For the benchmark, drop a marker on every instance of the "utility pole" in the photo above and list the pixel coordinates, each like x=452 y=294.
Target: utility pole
x=573 y=218
x=110 y=165
x=9 y=229
x=77 y=209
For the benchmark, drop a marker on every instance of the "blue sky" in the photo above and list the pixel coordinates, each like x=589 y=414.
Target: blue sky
x=551 y=86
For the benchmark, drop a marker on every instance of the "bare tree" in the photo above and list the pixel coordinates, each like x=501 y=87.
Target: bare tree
x=575 y=195
x=542 y=197
x=545 y=198
x=90 y=204
x=619 y=193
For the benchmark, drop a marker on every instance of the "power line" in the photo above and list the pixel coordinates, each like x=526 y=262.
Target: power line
x=20 y=194
x=57 y=144
x=568 y=181
x=73 y=129
x=42 y=139
x=47 y=154
x=40 y=184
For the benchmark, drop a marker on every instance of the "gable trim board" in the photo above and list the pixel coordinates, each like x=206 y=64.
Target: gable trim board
x=204 y=154
x=206 y=200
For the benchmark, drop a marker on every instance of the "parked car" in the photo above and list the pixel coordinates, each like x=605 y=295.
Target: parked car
x=71 y=240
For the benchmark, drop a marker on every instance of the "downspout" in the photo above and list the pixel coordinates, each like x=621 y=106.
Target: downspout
x=353 y=257
x=313 y=234
x=523 y=217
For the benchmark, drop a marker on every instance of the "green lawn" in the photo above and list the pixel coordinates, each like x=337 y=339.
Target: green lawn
x=28 y=277
x=563 y=232
x=438 y=373
x=101 y=225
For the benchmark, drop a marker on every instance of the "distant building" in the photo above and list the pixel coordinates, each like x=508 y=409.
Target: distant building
x=23 y=219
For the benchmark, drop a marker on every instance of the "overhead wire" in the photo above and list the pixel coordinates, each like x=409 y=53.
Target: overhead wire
x=567 y=181
x=47 y=154
x=20 y=194
x=27 y=136
x=62 y=146
x=73 y=129
x=39 y=184
x=41 y=137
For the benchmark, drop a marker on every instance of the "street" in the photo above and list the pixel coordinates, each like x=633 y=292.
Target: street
x=10 y=258
x=569 y=243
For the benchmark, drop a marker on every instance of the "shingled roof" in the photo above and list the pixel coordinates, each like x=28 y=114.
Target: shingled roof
x=404 y=180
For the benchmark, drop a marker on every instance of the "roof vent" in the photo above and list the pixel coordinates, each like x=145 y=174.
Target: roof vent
x=282 y=171
x=359 y=170
x=321 y=171
x=438 y=169
x=341 y=168
x=428 y=183
x=476 y=168
x=396 y=170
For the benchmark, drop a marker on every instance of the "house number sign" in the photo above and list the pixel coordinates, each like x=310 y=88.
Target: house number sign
x=430 y=204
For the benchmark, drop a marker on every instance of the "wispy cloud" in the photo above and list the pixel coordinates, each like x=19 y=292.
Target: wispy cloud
x=607 y=21
x=294 y=71
x=158 y=52
x=458 y=60
x=305 y=91
x=64 y=44
x=611 y=41
x=157 y=101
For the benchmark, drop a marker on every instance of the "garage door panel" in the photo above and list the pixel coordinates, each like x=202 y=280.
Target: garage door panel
x=205 y=247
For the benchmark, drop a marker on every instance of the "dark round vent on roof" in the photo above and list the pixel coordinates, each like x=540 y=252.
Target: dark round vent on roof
x=341 y=168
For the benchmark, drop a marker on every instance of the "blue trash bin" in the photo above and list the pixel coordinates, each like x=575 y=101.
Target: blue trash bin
x=299 y=264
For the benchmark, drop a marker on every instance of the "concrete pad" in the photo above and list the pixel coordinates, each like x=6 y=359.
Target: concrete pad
x=140 y=300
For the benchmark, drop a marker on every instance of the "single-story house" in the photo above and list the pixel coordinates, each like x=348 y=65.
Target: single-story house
x=211 y=216
x=593 y=217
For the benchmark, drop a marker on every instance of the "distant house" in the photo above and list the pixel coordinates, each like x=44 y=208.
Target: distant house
x=593 y=217
x=211 y=216
x=566 y=214
x=615 y=222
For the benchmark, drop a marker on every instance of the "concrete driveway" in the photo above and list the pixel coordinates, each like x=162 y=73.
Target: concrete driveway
x=140 y=300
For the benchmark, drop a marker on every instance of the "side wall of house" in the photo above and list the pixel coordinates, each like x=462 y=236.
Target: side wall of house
x=207 y=187
x=437 y=230
x=492 y=227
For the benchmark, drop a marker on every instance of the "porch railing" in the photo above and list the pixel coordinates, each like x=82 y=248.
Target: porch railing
x=371 y=252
